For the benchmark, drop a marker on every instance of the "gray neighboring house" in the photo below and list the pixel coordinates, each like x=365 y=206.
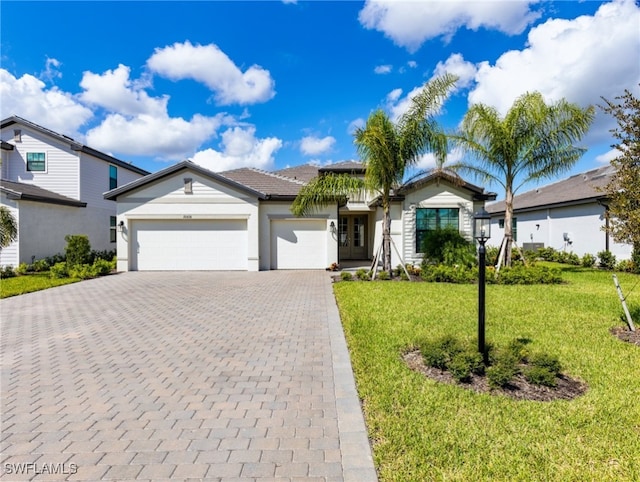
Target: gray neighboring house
x=568 y=215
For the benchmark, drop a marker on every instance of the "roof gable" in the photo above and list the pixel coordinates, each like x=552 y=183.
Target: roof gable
x=73 y=144
x=172 y=170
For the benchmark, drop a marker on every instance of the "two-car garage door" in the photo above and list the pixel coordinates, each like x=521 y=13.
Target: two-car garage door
x=170 y=245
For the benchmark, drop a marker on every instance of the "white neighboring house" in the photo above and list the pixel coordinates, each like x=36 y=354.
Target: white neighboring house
x=568 y=215
x=186 y=217
x=54 y=186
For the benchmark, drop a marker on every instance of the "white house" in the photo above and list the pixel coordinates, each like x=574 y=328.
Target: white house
x=54 y=186
x=568 y=215
x=186 y=217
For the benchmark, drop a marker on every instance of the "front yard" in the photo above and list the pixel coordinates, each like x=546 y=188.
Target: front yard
x=424 y=430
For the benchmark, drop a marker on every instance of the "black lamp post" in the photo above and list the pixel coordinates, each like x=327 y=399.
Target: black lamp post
x=481 y=233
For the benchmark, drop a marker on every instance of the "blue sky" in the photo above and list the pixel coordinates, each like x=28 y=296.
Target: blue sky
x=270 y=84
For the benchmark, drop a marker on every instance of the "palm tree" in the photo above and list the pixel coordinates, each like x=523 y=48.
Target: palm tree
x=8 y=227
x=533 y=141
x=387 y=149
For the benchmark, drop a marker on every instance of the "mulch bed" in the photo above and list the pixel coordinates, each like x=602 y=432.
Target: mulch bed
x=519 y=389
x=626 y=334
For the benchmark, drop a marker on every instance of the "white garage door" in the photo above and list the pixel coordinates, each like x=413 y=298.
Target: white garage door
x=298 y=244
x=176 y=245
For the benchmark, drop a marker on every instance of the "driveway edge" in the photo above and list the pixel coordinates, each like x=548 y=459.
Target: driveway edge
x=357 y=459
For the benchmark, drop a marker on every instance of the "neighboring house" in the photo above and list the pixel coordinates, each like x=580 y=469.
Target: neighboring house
x=54 y=186
x=568 y=215
x=186 y=217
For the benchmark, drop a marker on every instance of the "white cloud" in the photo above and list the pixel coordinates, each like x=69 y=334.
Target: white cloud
x=608 y=156
x=29 y=98
x=456 y=65
x=410 y=23
x=116 y=92
x=428 y=161
x=383 y=69
x=240 y=148
x=51 y=70
x=153 y=135
x=312 y=146
x=412 y=63
x=211 y=66
x=358 y=123
x=580 y=60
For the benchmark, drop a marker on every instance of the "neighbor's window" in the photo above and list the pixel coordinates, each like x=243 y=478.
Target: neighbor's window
x=428 y=219
x=112 y=229
x=36 y=161
x=113 y=177
x=514 y=227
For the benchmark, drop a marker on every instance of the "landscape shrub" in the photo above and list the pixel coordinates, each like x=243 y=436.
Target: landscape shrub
x=384 y=275
x=607 y=260
x=439 y=352
x=625 y=265
x=546 y=361
x=59 y=270
x=465 y=364
x=547 y=254
x=363 y=275
x=7 y=272
x=491 y=255
x=588 y=261
x=107 y=255
x=78 y=249
x=448 y=274
x=526 y=275
x=40 y=265
x=540 y=376
x=83 y=271
x=448 y=246
x=22 y=269
x=346 y=276
x=103 y=267
x=56 y=258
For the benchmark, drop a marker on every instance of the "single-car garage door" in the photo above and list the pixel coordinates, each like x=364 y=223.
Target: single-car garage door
x=175 y=245
x=298 y=244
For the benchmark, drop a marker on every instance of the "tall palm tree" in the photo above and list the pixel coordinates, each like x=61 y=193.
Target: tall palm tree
x=533 y=141
x=387 y=149
x=8 y=227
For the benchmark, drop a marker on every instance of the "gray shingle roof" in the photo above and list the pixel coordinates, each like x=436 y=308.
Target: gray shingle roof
x=303 y=173
x=268 y=183
x=577 y=189
x=29 y=192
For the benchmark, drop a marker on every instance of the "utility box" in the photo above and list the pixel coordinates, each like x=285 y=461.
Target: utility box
x=532 y=246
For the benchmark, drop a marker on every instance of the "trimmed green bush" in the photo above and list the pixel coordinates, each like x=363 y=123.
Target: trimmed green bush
x=546 y=361
x=7 y=272
x=607 y=260
x=103 y=267
x=346 y=276
x=363 y=275
x=527 y=275
x=83 y=271
x=59 y=270
x=22 y=269
x=448 y=246
x=383 y=275
x=78 y=249
x=40 y=265
x=588 y=261
x=501 y=374
x=541 y=376
x=448 y=274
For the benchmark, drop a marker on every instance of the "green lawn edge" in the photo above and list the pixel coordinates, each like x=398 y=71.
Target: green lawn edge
x=29 y=283
x=422 y=430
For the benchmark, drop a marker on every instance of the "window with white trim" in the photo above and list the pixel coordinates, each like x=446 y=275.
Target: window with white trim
x=36 y=161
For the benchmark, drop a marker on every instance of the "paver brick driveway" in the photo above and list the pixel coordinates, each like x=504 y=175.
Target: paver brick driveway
x=202 y=375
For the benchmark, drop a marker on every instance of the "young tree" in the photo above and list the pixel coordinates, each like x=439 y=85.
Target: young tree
x=387 y=149
x=531 y=142
x=624 y=188
x=8 y=227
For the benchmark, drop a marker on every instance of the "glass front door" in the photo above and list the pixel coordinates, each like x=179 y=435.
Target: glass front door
x=352 y=237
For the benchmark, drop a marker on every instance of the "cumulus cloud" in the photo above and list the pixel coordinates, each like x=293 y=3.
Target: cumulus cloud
x=456 y=65
x=29 y=98
x=239 y=148
x=51 y=70
x=212 y=67
x=140 y=135
x=312 y=146
x=116 y=92
x=580 y=60
x=355 y=124
x=608 y=156
x=411 y=23
x=382 y=69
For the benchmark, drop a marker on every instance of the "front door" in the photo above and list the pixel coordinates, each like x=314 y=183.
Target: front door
x=352 y=237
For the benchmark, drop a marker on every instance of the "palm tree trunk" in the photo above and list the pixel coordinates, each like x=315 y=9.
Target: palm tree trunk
x=386 y=238
x=508 y=225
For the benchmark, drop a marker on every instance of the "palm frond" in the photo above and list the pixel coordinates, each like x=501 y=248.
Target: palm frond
x=324 y=190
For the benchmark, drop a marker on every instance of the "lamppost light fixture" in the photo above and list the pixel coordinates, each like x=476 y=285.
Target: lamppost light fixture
x=482 y=226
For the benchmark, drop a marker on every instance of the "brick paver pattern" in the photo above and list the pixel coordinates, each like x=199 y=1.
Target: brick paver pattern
x=177 y=376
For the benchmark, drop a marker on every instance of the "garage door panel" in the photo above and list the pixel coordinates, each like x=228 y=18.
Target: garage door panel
x=298 y=244
x=190 y=245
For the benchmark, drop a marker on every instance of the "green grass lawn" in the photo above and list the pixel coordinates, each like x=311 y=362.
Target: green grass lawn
x=31 y=282
x=423 y=430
